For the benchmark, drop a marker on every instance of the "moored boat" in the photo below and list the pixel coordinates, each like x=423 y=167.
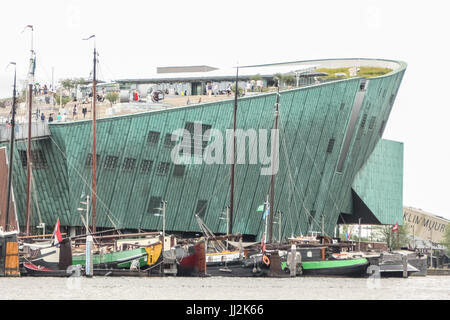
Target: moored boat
x=41 y=271
x=339 y=267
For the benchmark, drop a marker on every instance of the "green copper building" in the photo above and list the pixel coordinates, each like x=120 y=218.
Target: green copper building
x=334 y=165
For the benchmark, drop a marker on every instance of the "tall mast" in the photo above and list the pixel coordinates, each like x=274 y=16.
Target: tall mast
x=272 y=184
x=29 y=156
x=11 y=151
x=94 y=147
x=230 y=225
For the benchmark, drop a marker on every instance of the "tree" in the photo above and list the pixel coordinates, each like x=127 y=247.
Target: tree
x=289 y=79
x=256 y=77
x=112 y=97
x=240 y=92
x=278 y=77
x=446 y=239
x=72 y=83
x=65 y=100
x=385 y=234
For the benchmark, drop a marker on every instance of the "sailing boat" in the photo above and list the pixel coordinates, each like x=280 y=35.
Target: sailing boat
x=137 y=257
x=239 y=263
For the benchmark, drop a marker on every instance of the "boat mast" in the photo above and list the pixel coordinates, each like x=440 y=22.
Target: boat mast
x=29 y=156
x=94 y=147
x=11 y=150
x=274 y=145
x=230 y=225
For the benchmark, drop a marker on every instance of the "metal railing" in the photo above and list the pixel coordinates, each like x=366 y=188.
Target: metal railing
x=39 y=129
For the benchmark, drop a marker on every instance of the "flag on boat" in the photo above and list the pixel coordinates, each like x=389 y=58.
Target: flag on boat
x=348 y=234
x=28 y=26
x=57 y=238
x=266 y=213
x=395 y=227
x=263 y=243
x=260 y=208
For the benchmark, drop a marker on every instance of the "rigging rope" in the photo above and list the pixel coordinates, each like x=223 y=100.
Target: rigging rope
x=108 y=212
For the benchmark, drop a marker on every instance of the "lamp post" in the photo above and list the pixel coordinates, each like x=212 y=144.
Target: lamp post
x=163 y=214
x=86 y=222
x=227 y=218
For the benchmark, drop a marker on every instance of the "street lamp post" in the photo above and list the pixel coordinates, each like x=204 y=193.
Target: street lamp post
x=163 y=214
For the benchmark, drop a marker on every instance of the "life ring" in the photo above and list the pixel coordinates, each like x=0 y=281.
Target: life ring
x=266 y=260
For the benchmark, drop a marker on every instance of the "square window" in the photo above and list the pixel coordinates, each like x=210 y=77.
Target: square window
x=178 y=170
x=163 y=168
x=146 y=166
x=111 y=162
x=168 y=143
x=154 y=204
x=88 y=162
x=153 y=137
x=201 y=208
x=129 y=164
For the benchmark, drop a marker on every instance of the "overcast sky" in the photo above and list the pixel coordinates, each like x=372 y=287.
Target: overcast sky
x=133 y=37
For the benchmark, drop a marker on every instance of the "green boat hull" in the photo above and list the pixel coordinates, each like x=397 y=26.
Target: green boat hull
x=344 y=267
x=119 y=259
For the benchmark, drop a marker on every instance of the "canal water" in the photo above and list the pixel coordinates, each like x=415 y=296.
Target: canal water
x=221 y=288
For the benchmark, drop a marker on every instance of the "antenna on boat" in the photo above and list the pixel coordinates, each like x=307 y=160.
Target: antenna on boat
x=274 y=154
x=11 y=149
x=230 y=225
x=30 y=106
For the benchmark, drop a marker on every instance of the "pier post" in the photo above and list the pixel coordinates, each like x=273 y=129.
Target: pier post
x=89 y=262
x=405 y=266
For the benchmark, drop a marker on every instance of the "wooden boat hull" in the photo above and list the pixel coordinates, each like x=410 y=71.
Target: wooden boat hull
x=236 y=269
x=147 y=256
x=41 y=271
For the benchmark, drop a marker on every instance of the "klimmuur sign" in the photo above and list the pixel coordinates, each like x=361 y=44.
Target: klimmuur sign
x=426 y=225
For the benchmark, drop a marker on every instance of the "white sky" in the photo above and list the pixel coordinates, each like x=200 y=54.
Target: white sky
x=133 y=37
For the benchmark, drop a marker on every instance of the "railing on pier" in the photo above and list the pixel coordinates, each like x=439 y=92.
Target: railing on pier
x=38 y=129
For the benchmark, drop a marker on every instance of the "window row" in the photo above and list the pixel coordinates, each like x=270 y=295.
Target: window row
x=199 y=138
x=129 y=164
x=155 y=205
x=38 y=159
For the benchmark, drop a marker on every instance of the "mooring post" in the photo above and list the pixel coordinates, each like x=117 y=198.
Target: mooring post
x=405 y=266
x=293 y=266
x=89 y=262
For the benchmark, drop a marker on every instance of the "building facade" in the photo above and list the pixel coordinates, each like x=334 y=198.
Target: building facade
x=333 y=163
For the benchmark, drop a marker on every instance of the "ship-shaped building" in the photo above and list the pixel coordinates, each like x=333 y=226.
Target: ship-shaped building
x=334 y=167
